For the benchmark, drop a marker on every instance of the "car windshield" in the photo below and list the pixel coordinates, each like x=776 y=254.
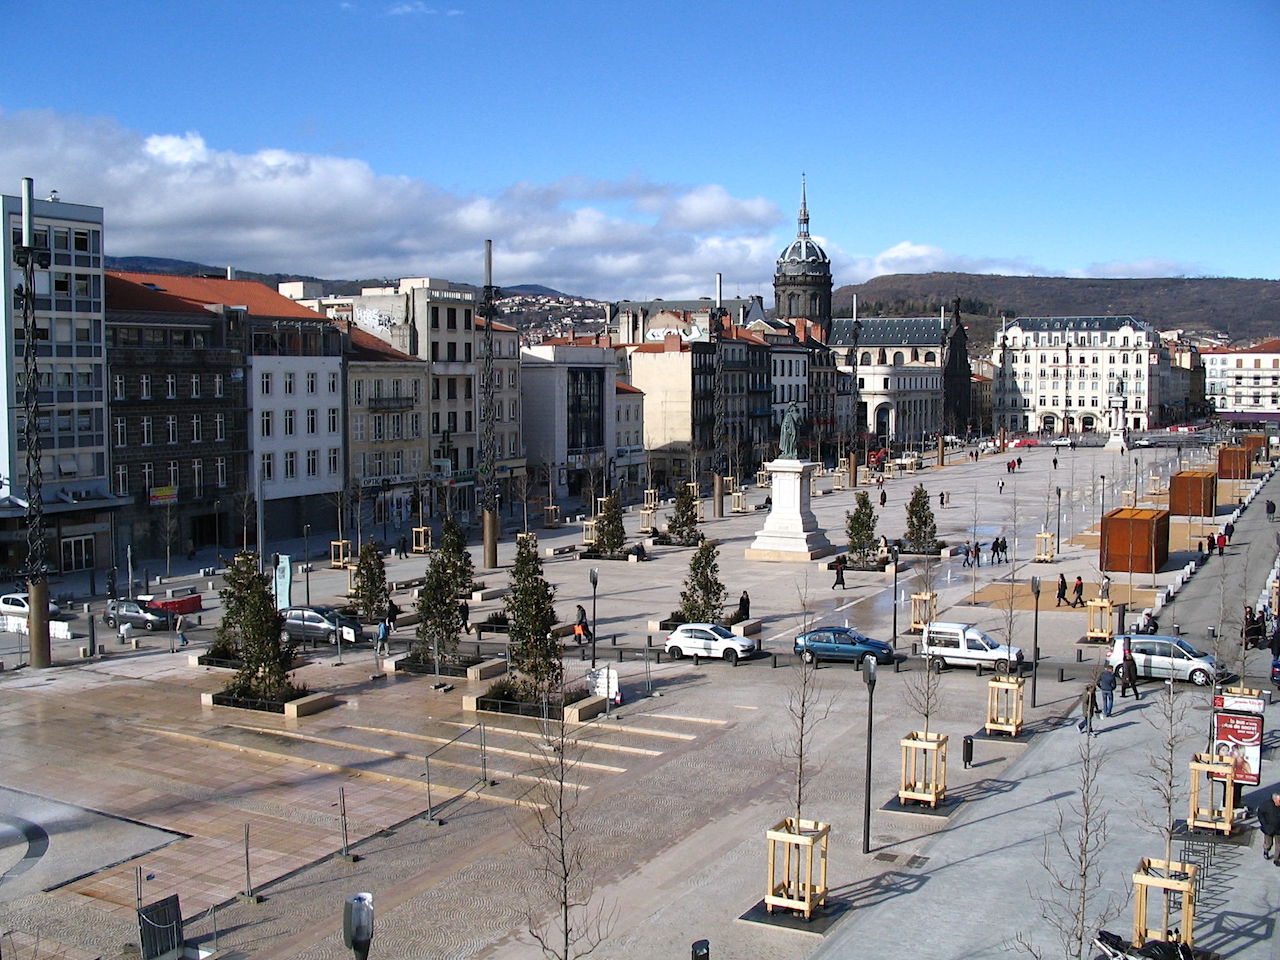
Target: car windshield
x=722 y=632
x=1188 y=649
x=984 y=641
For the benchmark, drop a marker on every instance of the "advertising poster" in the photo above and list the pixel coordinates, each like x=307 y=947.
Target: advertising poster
x=1237 y=737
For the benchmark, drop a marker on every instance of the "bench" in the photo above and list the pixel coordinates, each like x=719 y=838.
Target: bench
x=560 y=551
x=584 y=710
x=746 y=628
x=487 y=670
x=311 y=703
x=487 y=593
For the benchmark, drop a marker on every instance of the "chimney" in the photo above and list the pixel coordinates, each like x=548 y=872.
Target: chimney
x=671 y=343
x=231 y=273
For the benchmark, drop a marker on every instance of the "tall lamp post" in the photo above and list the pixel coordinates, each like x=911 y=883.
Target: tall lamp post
x=893 y=556
x=1102 y=483
x=868 y=677
x=1058 y=539
x=386 y=507
x=306 y=558
x=1035 y=638
x=595 y=581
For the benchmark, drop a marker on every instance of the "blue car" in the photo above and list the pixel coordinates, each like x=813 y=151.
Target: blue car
x=841 y=643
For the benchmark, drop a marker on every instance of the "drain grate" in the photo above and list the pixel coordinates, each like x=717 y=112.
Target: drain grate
x=914 y=862
x=887 y=857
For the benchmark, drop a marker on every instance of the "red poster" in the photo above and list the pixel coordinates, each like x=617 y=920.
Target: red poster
x=1237 y=737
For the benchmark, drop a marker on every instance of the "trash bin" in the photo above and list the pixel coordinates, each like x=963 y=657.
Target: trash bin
x=701 y=950
x=966 y=751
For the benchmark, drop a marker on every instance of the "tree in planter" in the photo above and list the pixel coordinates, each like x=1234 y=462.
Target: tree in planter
x=369 y=583
x=439 y=614
x=922 y=530
x=860 y=527
x=531 y=615
x=453 y=548
x=704 y=595
x=610 y=536
x=683 y=525
x=252 y=627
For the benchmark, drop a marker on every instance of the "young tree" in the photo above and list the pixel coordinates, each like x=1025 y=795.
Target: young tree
x=860 y=526
x=453 y=548
x=610 y=535
x=807 y=706
x=683 y=525
x=531 y=613
x=922 y=692
x=703 y=596
x=369 y=583
x=439 y=613
x=251 y=625
x=1165 y=772
x=922 y=530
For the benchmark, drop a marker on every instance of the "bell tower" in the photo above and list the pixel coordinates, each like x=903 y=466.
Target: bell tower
x=802 y=280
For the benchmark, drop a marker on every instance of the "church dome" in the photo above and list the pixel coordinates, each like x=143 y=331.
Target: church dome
x=803 y=257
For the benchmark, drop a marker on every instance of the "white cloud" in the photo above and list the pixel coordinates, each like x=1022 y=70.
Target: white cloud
x=1141 y=267
x=411 y=8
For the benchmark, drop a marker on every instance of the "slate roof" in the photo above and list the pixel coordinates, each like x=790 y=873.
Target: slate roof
x=888 y=332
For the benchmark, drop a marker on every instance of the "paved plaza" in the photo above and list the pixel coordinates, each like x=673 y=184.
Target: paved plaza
x=119 y=767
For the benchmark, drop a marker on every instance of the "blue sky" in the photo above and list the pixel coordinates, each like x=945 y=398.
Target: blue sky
x=635 y=149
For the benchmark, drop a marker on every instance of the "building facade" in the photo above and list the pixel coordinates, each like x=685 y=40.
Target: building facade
x=1243 y=384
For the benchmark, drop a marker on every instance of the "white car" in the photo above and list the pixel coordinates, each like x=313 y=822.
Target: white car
x=964 y=645
x=1060 y=442
x=19 y=605
x=707 y=640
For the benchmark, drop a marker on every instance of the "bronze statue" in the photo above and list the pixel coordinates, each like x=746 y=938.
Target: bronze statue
x=787 y=439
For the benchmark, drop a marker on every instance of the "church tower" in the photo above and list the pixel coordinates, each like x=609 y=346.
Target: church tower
x=802 y=281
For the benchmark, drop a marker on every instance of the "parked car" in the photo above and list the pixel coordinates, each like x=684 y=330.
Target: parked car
x=841 y=643
x=138 y=613
x=316 y=624
x=964 y=645
x=1163 y=657
x=707 y=640
x=1025 y=442
x=19 y=605
x=1143 y=442
x=1060 y=442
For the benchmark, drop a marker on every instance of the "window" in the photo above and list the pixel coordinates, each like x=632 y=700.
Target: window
x=120 y=431
x=290 y=465
x=171 y=386
x=173 y=473
x=219 y=426
x=289 y=379
x=148 y=476
x=264 y=421
x=511 y=411
x=147 y=437
x=451 y=389
x=311 y=421
x=289 y=417
x=376 y=433
x=357 y=392
x=197 y=476
x=117 y=387
x=396 y=426
x=435 y=423
x=333 y=381
x=122 y=481
x=197 y=429
x=220 y=472
x=171 y=428
x=265 y=384
x=511 y=378
x=415 y=426
x=333 y=419
x=311 y=381
x=217 y=385
x=267 y=466
x=357 y=427
x=313 y=463
x=144 y=386
x=435 y=388
x=333 y=461
x=195 y=386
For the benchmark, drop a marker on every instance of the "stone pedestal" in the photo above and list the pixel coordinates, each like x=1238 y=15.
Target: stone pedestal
x=791 y=532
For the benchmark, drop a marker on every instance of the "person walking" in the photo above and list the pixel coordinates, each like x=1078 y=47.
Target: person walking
x=1019 y=463
x=942 y=500
x=948 y=498
x=581 y=629
x=1077 y=593
x=1088 y=707
x=1055 y=463
x=883 y=498
x=1271 y=511
x=968 y=555
x=1229 y=530
x=1222 y=544
x=977 y=553
x=381 y=645
x=1062 y=589
x=1104 y=589
x=1000 y=486
x=1269 y=824
x=839 y=568
x=1107 y=687
x=744 y=607
x=180 y=627
x=1127 y=671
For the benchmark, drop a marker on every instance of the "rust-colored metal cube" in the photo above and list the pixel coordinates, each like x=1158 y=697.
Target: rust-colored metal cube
x=1134 y=540
x=1193 y=493
x=1235 y=463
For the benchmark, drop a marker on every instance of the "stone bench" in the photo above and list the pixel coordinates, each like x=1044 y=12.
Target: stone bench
x=311 y=703
x=560 y=551
x=487 y=670
x=487 y=593
x=746 y=628
x=584 y=710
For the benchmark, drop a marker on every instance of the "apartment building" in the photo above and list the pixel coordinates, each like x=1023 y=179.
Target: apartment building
x=1243 y=383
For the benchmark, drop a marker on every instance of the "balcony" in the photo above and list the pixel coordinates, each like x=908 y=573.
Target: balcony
x=380 y=404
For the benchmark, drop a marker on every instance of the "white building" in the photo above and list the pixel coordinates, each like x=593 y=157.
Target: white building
x=1067 y=375
x=1243 y=383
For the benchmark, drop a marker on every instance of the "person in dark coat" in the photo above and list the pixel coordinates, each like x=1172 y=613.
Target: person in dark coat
x=1062 y=589
x=839 y=568
x=1088 y=708
x=1269 y=824
x=744 y=607
x=1229 y=530
x=1127 y=674
x=1077 y=593
x=883 y=498
x=1107 y=687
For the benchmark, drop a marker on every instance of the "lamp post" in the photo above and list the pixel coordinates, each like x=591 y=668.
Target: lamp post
x=893 y=557
x=1058 y=539
x=217 y=523
x=386 y=507
x=306 y=558
x=1102 y=483
x=595 y=581
x=868 y=677
x=1035 y=637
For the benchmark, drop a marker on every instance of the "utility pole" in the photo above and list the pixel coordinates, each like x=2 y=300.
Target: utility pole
x=488 y=412
x=719 y=442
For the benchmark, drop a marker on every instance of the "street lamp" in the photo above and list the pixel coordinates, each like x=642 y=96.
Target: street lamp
x=1035 y=638
x=1058 y=540
x=868 y=677
x=306 y=557
x=595 y=581
x=893 y=556
x=1102 y=511
x=217 y=523
x=386 y=507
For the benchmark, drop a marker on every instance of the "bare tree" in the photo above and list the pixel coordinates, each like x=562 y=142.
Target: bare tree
x=1076 y=902
x=1008 y=607
x=807 y=705
x=922 y=692
x=246 y=506
x=1165 y=773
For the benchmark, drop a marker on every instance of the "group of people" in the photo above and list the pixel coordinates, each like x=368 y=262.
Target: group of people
x=972 y=552
x=1124 y=675
x=1012 y=466
x=1077 y=592
x=382 y=644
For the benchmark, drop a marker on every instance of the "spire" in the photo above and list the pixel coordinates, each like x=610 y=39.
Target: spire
x=802 y=229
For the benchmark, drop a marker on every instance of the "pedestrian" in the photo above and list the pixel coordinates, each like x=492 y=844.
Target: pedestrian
x=968 y=559
x=1088 y=707
x=581 y=629
x=1127 y=671
x=1271 y=511
x=404 y=546
x=948 y=498
x=942 y=500
x=883 y=499
x=1229 y=529
x=995 y=551
x=1000 y=484
x=393 y=611
x=839 y=568
x=744 y=607
x=1222 y=544
x=380 y=647
x=977 y=553
x=464 y=614
x=1104 y=590
x=1107 y=687
x=1062 y=589
x=180 y=626
x=1019 y=463
x=1055 y=463
x=1269 y=824
x=1077 y=593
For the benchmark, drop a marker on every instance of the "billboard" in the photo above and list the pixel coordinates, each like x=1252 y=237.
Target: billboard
x=160 y=496
x=1237 y=738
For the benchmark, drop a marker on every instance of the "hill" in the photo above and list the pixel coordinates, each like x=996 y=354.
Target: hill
x=1237 y=309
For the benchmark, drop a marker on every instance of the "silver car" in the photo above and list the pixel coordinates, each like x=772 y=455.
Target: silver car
x=1164 y=657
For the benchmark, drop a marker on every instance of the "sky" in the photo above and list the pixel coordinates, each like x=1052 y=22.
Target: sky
x=634 y=150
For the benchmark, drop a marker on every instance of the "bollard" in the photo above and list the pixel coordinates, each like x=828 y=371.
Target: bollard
x=697 y=660
x=966 y=751
x=582 y=653
x=477 y=648
x=648 y=641
x=1177 y=629
x=1062 y=675
x=658 y=659
x=979 y=669
x=620 y=653
x=1079 y=655
x=774 y=665
x=93 y=634
x=897 y=665
x=614 y=640
x=734 y=662
x=915 y=649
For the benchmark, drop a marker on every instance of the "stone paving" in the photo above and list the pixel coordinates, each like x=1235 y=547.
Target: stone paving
x=675 y=790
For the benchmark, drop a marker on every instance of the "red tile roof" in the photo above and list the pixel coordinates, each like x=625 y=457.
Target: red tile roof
x=497 y=325
x=621 y=387
x=660 y=347
x=174 y=294
x=366 y=347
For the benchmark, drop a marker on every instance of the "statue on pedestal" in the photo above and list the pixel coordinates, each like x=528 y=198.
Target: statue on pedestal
x=787 y=438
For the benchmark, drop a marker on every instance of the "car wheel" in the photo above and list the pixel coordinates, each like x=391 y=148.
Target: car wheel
x=939 y=664
x=730 y=655
x=284 y=636
x=675 y=653
x=109 y=621
x=1200 y=678
x=149 y=625
x=1002 y=666
x=808 y=656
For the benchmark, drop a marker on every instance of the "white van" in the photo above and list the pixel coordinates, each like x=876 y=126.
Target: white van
x=964 y=645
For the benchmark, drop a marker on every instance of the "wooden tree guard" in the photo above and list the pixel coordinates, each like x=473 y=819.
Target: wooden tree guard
x=648 y=519
x=800 y=842
x=739 y=502
x=600 y=502
x=421 y=539
x=762 y=478
x=864 y=474
x=1154 y=486
x=702 y=511
x=339 y=553
x=1101 y=621
x=730 y=484
x=1169 y=877
x=924 y=607
x=551 y=516
x=924 y=768
x=1206 y=773
x=651 y=499
x=1004 y=705
x=1046 y=548
x=588 y=533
